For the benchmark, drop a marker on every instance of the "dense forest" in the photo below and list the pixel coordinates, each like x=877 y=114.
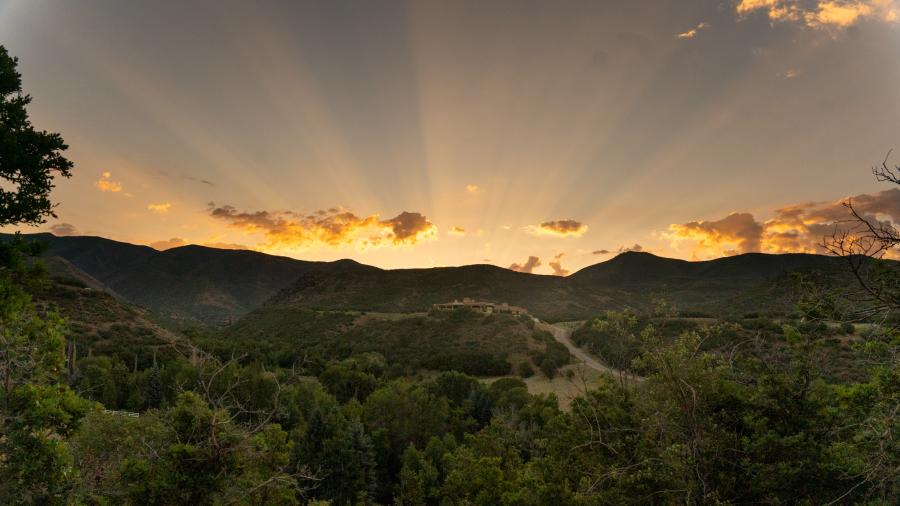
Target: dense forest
x=772 y=423
x=803 y=409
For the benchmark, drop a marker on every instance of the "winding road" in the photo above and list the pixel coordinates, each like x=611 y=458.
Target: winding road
x=564 y=336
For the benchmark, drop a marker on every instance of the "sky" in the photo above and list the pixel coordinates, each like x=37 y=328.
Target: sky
x=538 y=136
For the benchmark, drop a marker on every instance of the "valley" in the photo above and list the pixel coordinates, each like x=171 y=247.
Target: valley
x=288 y=312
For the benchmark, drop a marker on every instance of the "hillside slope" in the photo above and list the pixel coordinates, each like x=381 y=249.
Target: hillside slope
x=474 y=343
x=190 y=284
x=732 y=285
x=100 y=323
x=415 y=290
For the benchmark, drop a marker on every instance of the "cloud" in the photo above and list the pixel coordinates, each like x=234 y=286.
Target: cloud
x=177 y=242
x=331 y=227
x=408 y=228
x=227 y=245
x=557 y=267
x=799 y=228
x=457 y=231
x=63 y=229
x=558 y=228
x=790 y=73
x=472 y=188
x=529 y=266
x=106 y=184
x=690 y=34
x=198 y=180
x=823 y=14
x=622 y=249
x=625 y=249
x=161 y=208
x=740 y=230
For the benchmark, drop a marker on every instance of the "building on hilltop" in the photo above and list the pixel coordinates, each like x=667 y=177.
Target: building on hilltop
x=480 y=306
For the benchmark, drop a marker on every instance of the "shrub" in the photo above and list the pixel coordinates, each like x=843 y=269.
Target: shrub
x=525 y=370
x=549 y=367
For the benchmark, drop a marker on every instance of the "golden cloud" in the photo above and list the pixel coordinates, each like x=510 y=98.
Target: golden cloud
x=559 y=228
x=177 y=242
x=106 y=184
x=739 y=231
x=799 y=228
x=746 y=6
x=472 y=188
x=161 y=208
x=826 y=14
x=529 y=266
x=331 y=227
x=557 y=267
x=690 y=34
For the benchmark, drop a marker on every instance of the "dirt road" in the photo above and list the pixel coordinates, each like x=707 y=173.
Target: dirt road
x=563 y=334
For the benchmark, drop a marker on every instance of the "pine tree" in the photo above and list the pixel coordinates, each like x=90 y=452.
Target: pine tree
x=154 y=388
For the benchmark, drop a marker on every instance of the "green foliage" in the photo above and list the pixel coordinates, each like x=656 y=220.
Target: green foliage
x=456 y=341
x=38 y=465
x=400 y=414
x=525 y=370
x=354 y=378
x=37 y=411
x=615 y=337
x=554 y=356
x=456 y=387
x=153 y=393
x=190 y=454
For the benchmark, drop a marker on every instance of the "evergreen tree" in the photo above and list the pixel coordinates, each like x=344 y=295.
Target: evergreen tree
x=154 y=387
x=37 y=409
x=29 y=158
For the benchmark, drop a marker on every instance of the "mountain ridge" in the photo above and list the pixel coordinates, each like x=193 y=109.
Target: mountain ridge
x=202 y=285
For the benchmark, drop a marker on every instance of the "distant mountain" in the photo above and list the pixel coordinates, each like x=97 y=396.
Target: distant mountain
x=191 y=284
x=196 y=284
x=637 y=268
x=732 y=285
x=728 y=286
